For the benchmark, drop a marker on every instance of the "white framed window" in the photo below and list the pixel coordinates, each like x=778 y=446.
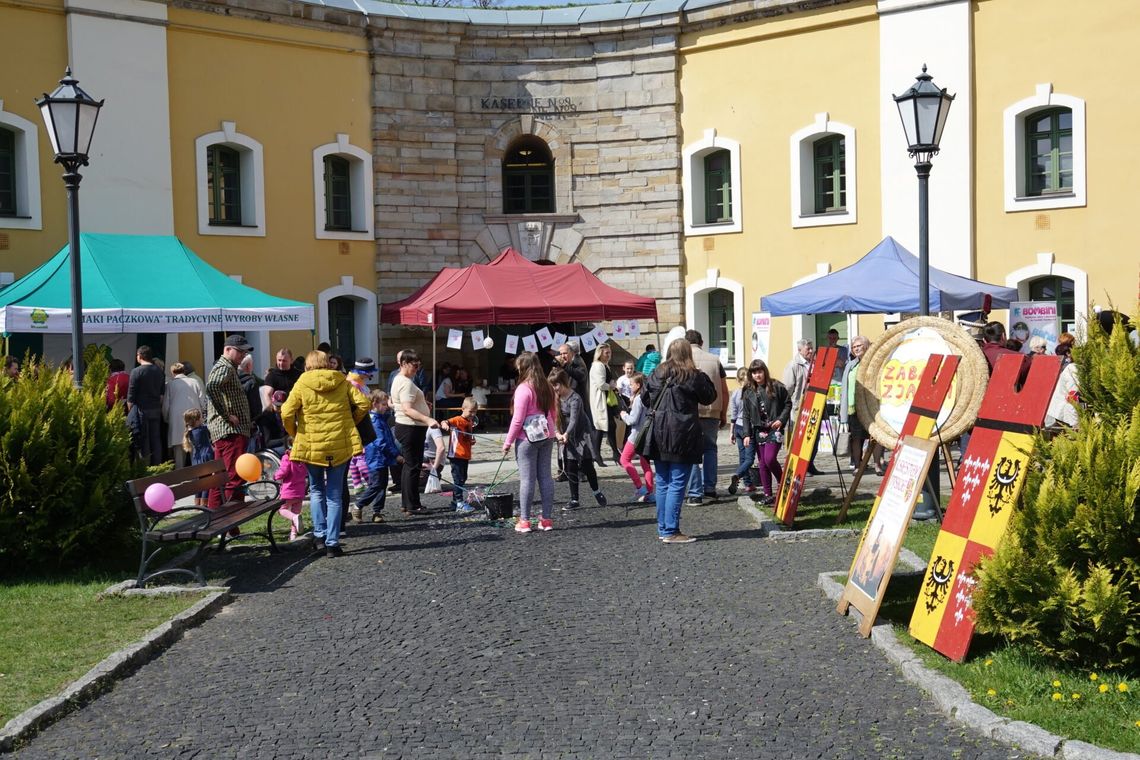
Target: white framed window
x=1044 y=158
x=824 y=178
x=231 y=183
x=19 y=173
x=710 y=175
x=714 y=306
x=343 y=191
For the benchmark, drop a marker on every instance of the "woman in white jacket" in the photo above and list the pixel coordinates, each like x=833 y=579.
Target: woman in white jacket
x=601 y=378
x=184 y=391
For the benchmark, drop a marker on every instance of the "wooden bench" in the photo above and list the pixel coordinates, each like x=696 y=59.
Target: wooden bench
x=197 y=524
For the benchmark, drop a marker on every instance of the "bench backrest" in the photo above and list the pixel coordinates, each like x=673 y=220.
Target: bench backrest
x=183 y=482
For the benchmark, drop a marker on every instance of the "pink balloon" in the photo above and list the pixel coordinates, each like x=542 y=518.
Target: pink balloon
x=159 y=497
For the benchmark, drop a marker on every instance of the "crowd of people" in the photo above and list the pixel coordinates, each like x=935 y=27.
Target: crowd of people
x=659 y=417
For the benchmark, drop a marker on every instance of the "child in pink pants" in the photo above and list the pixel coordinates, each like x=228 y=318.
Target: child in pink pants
x=635 y=419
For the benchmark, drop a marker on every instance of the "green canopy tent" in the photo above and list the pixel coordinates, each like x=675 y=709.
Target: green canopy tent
x=143 y=284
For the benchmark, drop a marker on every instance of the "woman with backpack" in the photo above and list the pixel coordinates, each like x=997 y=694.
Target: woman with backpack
x=674 y=440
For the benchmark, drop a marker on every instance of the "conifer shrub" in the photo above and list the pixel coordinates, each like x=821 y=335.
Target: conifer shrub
x=63 y=462
x=1066 y=579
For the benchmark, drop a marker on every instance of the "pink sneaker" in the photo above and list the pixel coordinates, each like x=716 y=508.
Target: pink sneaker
x=546 y=524
x=522 y=526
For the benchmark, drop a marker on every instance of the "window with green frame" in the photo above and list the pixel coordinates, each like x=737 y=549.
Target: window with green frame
x=223 y=184
x=718 y=187
x=528 y=178
x=1049 y=152
x=338 y=194
x=7 y=172
x=830 y=174
x=722 y=311
x=1058 y=290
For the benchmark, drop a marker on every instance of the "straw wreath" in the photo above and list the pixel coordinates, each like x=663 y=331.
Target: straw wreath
x=972 y=378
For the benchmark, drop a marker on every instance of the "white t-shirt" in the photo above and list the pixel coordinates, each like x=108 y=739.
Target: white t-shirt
x=404 y=391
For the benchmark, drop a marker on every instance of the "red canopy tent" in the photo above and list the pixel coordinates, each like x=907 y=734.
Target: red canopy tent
x=514 y=290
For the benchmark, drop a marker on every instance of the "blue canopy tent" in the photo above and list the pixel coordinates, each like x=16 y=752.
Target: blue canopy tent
x=882 y=282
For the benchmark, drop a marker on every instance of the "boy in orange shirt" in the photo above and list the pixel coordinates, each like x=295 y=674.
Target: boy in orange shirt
x=459 y=452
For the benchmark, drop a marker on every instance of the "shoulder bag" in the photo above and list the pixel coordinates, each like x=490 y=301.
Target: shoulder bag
x=364 y=428
x=643 y=435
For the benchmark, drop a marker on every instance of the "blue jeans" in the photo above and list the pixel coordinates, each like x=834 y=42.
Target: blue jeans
x=747 y=456
x=326 y=497
x=703 y=476
x=669 y=494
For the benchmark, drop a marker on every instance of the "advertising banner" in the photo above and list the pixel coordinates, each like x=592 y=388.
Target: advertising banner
x=1029 y=319
x=761 y=335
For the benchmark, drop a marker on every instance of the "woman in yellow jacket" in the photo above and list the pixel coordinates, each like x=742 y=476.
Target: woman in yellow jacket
x=321 y=415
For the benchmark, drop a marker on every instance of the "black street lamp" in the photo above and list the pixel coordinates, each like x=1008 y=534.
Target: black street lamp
x=923 y=109
x=70 y=115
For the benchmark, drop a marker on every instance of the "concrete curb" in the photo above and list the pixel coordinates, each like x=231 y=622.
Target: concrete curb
x=772 y=528
x=115 y=666
x=954 y=701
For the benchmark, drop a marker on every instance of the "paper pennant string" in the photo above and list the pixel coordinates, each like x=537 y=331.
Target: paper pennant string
x=559 y=339
x=619 y=329
x=477 y=340
x=588 y=342
x=529 y=343
x=455 y=339
x=633 y=329
x=544 y=338
x=511 y=346
x=600 y=335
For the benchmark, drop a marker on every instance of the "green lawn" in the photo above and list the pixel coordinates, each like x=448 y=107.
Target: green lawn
x=53 y=631
x=1098 y=707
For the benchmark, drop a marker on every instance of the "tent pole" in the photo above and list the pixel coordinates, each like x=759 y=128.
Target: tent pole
x=433 y=374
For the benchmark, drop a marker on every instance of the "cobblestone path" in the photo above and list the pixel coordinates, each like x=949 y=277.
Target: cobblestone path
x=439 y=637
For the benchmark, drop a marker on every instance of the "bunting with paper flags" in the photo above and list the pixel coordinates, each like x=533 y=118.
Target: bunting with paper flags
x=807 y=422
x=990 y=478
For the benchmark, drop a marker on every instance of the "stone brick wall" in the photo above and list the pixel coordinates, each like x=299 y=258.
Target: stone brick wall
x=448 y=100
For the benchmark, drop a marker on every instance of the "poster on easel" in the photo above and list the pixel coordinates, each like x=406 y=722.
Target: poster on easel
x=761 y=335
x=876 y=557
x=1035 y=319
x=807 y=426
x=990 y=478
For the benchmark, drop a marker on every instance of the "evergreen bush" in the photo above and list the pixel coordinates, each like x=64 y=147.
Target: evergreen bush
x=63 y=462
x=1066 y=579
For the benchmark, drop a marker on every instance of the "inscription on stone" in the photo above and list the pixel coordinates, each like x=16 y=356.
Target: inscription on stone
x=529 y=105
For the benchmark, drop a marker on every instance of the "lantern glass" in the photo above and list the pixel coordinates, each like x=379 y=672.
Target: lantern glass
x=70 y=115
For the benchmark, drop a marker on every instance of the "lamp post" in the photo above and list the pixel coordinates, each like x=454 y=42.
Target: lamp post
x=923 y=109
x=70 y=114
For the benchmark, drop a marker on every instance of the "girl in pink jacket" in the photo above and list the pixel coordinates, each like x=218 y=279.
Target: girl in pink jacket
x=294 y=480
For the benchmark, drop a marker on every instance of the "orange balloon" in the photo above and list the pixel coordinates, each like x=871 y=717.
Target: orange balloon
x=248 y=467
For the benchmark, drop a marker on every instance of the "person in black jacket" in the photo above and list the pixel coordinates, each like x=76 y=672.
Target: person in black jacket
x=767 y=410
x=674 y=441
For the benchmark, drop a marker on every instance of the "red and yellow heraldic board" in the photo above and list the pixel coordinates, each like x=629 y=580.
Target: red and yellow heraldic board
x=807 y=420
x=990 y=477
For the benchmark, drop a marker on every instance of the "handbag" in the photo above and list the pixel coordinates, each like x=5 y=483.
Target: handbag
x=364 y=428
x=642 y=436
x=536 y=427
x=843 y=440
x=612 y=398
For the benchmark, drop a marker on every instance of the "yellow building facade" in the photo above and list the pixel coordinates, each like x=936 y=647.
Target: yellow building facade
x=707 y=153
x=178 y=84
x=764 y=92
